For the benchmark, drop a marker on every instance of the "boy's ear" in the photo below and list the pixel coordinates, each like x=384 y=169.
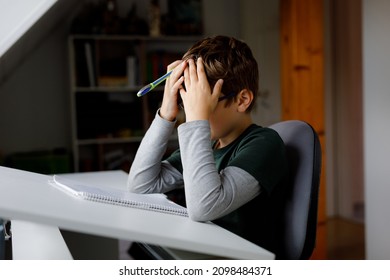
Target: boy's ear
x=244 y=99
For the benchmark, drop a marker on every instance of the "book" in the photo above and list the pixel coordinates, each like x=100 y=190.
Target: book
x=153 y=202
x=112 y=81
x=132 y=71
x=90 y=64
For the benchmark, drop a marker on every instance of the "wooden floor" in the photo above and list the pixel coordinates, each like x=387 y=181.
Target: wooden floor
x=345 y=240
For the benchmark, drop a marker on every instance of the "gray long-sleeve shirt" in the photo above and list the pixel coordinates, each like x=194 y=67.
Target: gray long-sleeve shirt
x=209 y=194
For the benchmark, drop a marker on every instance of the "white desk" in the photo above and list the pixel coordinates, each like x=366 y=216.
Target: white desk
x=28 y=196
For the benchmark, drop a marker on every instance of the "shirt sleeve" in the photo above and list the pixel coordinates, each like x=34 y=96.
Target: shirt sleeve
x=209 y=194
x=148 y=173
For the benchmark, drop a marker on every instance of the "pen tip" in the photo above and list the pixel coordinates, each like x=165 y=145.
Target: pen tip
x=144 y=90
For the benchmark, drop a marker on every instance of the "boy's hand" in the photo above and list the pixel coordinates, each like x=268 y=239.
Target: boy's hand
x=198 y=98
x=173 y=84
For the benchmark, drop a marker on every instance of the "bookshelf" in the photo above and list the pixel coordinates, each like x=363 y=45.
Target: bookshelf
x=106 y=71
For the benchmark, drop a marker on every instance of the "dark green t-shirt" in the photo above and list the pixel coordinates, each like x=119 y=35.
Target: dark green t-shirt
x=260 y=152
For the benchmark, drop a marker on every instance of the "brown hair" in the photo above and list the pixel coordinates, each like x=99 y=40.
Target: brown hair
x=231 y=60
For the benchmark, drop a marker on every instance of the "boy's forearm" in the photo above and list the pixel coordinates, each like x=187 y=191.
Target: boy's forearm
x=210 y=195
x=201 y=178
x=146 y=166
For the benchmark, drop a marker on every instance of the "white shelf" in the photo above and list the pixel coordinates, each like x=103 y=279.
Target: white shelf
x=135 y=38
x=108 y=89
x=98 y=56
x=104 y=141
x=134 y=89
x=94 y=141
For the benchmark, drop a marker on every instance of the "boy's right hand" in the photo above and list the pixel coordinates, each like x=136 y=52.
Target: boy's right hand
x=169 y=108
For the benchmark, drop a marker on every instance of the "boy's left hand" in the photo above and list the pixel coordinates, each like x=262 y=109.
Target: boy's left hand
x=198 y=99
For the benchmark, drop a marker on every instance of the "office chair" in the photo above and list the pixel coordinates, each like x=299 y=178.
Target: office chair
x=300 y=220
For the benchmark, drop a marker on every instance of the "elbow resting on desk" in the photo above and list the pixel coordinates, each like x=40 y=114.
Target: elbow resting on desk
x=211 y=206
x=198 y=217
x=220 y=197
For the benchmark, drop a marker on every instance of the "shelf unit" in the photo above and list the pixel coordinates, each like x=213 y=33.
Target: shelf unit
x=106 y=71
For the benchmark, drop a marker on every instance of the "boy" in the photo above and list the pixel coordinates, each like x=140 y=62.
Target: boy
x=232 y=170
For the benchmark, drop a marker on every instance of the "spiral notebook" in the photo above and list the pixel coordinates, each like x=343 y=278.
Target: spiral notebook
x=153 y=202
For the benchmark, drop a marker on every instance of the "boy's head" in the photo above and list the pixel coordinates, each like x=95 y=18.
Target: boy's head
x=231 y=60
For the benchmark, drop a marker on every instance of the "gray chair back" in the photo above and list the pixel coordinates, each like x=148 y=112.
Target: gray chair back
x=300 y=219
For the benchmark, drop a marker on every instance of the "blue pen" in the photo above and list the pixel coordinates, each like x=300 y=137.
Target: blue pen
x=152 y=85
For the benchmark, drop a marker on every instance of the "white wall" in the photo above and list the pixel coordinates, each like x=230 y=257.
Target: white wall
x=376 y=61
x=221 y=17
x=34 y=82
x=17 y=17
x=344 y=116
x=34 y=88
x=331 y=208
x=34 y=101
x=259 y=27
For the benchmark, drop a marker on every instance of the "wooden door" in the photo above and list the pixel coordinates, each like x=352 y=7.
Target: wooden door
x=302 y=78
